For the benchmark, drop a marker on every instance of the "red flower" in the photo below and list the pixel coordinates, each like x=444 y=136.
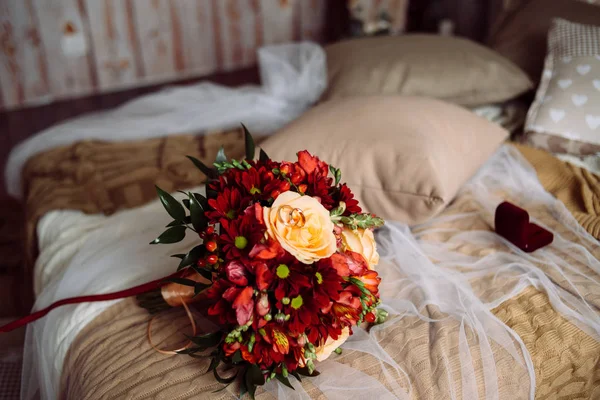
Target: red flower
x=303 y=313
x=236 y=273
x=346 y=195
x=370 y=280
x=264 y=276
x=346 y=264
x=289 y=280
x=227 y=205
x=241 y=234
x=277 y=338
x=347 y=309
x=326 y=284
x=311 y=164
x=243 y=305
x=267 y=251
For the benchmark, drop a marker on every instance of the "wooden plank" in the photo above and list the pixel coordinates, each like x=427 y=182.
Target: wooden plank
x=155 y=35
x=193 y=36
x=237 y=28
x=23 y=73
x=278 y=24
x=67 y=45
x=113 y=44
x=312 y=19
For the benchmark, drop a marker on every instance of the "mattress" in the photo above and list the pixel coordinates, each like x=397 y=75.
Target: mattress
x=102 y=349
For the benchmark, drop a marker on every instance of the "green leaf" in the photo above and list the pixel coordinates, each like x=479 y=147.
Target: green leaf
x=181 y=281
x=173 y=207
x=253 y=378
x=250 y=148
x=172 y=235
x=284 y=380
x=200 y=287
x=237 y=357
x=207 y=340
x=263 y=156
x=211 y=173
x=214 y=363
x=202 y=271
x=337 y=174
x=186 y=203
x=192 y=256
x=199 y=220
x=190 y=350
x=186 y=220
x=243 y=389
x=304 y=372
x=223 y=380
x=202 y=200
x=211 y=194
x=180 y=256
x=296 y=375
x=221 y=157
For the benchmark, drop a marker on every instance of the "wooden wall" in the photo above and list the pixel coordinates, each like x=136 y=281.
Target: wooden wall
x=57 y=49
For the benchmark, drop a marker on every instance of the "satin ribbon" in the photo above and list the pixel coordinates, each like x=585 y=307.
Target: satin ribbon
x=169 y=352
x=134 y=291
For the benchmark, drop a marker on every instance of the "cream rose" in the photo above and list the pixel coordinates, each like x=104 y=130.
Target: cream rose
x=324 y=351
x=361 y=241
x=308 y=241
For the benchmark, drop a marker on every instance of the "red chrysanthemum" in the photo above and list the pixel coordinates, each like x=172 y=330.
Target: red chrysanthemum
x=240 y=235
x=303 y=312
x=345 y=194
x=228 y=204
x=326 y=284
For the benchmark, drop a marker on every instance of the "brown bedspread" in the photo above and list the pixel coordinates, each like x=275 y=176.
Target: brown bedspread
x=113 y=359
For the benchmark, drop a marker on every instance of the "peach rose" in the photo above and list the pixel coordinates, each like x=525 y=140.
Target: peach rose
x=324 y=351
x=312 y=237
x=361 y=241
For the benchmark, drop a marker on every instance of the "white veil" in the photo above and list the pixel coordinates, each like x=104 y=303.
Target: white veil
x=441 y=282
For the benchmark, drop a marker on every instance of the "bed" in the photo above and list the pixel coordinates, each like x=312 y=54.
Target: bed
x=472 y=315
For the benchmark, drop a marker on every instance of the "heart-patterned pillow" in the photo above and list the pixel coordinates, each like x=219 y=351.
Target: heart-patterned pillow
x=565 y=116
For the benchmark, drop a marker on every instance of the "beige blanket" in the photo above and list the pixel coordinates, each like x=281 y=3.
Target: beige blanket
x=111 y=357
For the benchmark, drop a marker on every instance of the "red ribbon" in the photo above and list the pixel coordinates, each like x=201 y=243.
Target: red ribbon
x=134 y=291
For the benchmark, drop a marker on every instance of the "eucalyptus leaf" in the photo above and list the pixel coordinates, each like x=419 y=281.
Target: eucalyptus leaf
x=211 y=173
x=199 y=220
x=249 y=141
x=263 y=156
x=172 y=235
x=173 y=207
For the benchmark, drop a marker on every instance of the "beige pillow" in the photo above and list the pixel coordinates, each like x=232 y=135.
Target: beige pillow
x=453 y=69
x=565 y=116
x=404 y=157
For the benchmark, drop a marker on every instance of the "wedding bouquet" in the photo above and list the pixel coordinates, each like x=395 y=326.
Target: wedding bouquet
x=285 y=265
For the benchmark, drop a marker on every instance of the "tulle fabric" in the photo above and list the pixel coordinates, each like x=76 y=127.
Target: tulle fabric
x=440 y=282
x=294 y=75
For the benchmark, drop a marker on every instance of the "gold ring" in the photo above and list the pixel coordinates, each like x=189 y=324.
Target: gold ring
x=292 y=216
